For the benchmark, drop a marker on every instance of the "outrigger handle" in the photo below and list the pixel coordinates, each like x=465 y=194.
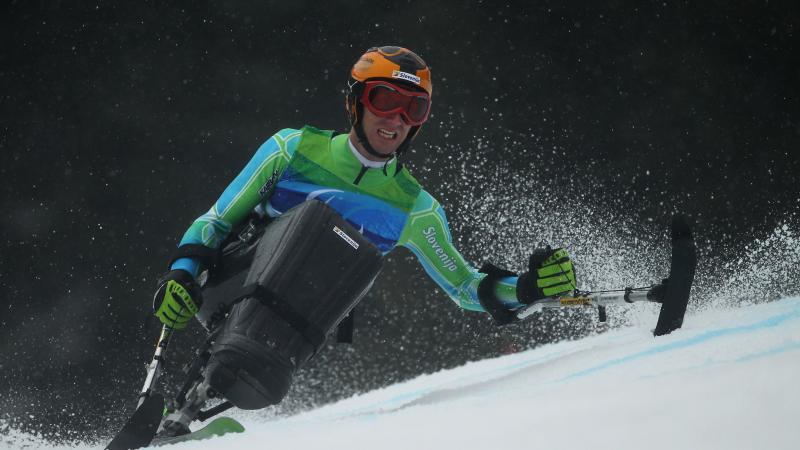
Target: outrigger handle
x=672 y=293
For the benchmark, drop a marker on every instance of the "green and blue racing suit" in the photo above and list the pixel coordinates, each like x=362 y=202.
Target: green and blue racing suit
x=381 y=200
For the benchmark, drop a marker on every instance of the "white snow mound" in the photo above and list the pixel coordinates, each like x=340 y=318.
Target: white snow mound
x=727 y=380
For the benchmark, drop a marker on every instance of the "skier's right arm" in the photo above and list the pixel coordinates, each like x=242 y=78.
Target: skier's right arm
x=251 y=187
x=178 y=296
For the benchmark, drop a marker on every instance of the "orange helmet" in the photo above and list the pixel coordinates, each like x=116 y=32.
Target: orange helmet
x=394 y=64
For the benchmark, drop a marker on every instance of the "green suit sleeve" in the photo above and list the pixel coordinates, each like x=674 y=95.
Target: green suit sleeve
x=253 y=184
x=427 y=235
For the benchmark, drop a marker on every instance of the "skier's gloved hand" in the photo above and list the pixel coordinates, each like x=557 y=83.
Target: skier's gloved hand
x=549 y=274
x=177 y=299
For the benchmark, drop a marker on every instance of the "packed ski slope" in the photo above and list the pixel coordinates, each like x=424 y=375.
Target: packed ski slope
x=730 y=379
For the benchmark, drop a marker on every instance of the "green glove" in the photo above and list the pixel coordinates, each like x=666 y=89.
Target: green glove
x=549 y=274
x=177 y=299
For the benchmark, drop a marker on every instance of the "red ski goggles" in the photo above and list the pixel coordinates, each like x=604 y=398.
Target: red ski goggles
x=385 y=99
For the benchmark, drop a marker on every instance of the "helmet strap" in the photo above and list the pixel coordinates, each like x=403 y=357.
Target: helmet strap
x=362 y=137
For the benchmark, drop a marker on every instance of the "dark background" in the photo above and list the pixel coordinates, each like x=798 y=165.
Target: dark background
x=122 y=122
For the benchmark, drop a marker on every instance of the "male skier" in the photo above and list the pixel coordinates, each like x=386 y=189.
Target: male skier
x=360 y=176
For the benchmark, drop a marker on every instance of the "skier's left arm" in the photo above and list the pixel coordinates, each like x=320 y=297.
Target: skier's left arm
x=491 y=290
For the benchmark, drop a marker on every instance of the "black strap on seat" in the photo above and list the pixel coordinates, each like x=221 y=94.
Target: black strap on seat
x=344 y=333
x=312 y=333
x=208 y=256
x=488 y=298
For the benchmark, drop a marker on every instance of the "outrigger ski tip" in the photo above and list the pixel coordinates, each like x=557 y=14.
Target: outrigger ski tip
x=681 y=276
x=673 y=292
x=141 y=427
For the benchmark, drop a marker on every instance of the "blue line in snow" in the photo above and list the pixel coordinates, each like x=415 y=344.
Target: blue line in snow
x=770 y=352
x=767 y=323
x=403 y=398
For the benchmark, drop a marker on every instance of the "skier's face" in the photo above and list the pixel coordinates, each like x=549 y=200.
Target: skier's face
x=385 y=134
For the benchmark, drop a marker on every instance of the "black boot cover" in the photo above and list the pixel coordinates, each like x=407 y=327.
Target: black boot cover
x=245 y=366
x=310 y=269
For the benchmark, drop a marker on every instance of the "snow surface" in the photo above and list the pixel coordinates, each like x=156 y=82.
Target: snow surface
x=730 y=379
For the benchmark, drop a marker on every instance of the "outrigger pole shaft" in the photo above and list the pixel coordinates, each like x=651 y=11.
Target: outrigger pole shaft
x=154 y=368
x=591 y=299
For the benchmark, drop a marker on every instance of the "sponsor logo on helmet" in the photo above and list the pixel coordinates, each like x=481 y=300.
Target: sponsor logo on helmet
x=447 y=262
x=405 y=76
